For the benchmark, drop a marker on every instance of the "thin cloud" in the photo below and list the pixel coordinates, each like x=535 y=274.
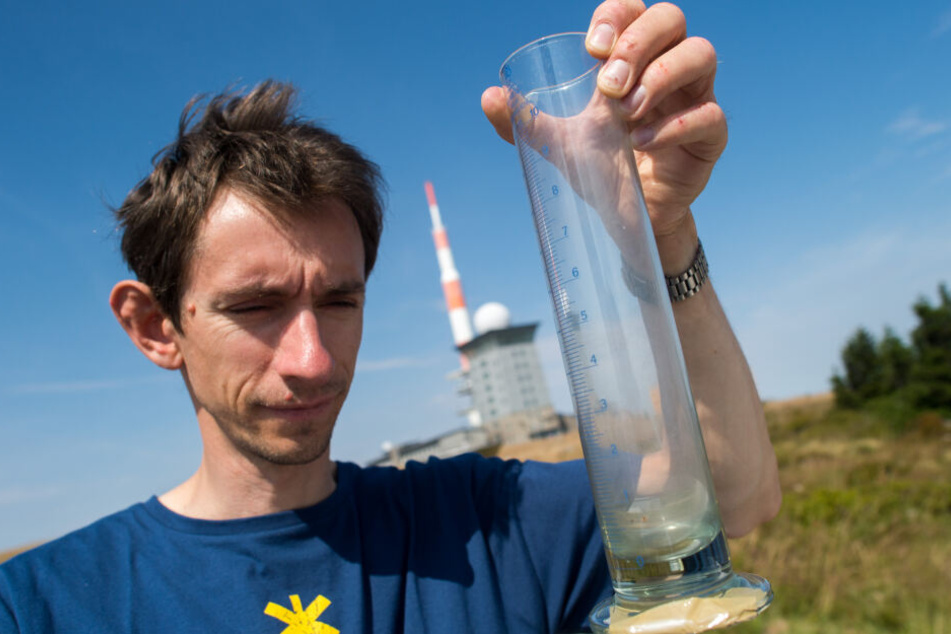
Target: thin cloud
x=396 y=363
x=437 y=305
x=19 y=494
x=943 y=26
x=910 y=125
x=73 y=387
x=446 y=398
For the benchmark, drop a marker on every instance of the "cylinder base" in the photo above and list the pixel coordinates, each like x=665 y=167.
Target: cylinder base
x=737 y=598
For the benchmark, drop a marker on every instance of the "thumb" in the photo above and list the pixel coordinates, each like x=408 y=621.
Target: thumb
x=496 y=109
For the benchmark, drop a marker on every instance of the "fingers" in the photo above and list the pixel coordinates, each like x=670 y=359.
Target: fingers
x=690 y=67
x=650 y=65
x=701 y=130
x=508 y=110
x=609 y=20
x=652 y=32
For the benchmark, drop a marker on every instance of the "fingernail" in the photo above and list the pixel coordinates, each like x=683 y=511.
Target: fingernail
x=601 y=38
x=614 y=75
x=634 y=99
x=642 y=135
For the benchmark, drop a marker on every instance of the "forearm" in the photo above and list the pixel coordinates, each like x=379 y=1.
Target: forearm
x=731 y=414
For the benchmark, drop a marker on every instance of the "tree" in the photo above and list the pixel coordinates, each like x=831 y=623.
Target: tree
x=930 y=376
x=895 y=361
x=861 y=381
x=918 y=376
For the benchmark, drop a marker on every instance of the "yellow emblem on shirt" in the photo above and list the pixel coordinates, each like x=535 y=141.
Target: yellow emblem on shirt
x=299 y=620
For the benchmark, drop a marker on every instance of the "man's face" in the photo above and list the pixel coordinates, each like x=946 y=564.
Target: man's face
x=271 y=325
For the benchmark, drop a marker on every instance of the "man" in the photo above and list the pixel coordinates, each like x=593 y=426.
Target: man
x=251 y=242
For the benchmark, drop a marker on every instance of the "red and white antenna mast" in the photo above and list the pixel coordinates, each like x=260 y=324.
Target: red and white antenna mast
x=449 y=276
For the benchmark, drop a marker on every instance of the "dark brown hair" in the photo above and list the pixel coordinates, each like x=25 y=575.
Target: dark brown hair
x=253 y=143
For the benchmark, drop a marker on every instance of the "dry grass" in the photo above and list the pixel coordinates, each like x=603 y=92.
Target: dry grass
x=7 y=554
x=553 y=449
x=863 y=541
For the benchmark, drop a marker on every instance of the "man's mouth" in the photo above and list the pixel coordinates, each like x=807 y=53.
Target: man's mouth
x=301 y=409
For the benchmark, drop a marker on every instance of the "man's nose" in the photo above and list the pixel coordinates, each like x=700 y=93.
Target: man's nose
x=301 y=352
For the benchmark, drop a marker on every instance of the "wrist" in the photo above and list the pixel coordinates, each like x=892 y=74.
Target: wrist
x=677 y=246
x=683 y=264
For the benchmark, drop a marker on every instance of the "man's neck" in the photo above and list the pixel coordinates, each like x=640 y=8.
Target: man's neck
x=236 y=487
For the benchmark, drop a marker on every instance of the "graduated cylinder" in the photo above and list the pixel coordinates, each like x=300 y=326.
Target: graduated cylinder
x=646 y=461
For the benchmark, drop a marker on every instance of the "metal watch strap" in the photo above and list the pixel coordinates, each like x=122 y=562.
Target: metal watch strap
x=689 y=283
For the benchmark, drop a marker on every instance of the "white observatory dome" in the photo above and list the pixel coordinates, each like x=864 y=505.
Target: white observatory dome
x=491 y=316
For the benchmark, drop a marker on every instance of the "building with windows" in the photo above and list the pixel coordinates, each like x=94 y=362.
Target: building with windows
x=505 y=379
x=510 y=401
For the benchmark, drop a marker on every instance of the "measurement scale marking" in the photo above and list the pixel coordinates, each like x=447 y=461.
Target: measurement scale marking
x=571 y=357
x=577 y=363
x=573 y=349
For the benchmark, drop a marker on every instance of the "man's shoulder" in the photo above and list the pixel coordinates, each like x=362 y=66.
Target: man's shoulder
x=104 y=535
x=470 y=474
x=457 y=470
x=463 y=465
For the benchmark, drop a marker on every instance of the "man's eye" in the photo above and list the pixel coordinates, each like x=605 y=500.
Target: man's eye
x=342 y=301
x=244 y=309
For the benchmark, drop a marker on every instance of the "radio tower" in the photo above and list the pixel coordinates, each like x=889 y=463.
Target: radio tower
x=449 y=276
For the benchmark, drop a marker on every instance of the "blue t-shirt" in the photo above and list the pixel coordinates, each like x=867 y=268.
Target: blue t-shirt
x=461 y=545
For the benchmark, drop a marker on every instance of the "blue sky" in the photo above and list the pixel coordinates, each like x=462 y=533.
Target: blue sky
x=828 y=211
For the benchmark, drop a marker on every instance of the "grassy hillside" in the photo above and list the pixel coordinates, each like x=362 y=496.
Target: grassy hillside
x=863 y=542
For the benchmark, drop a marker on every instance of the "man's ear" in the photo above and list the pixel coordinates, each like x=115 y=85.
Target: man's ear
x=142 y=319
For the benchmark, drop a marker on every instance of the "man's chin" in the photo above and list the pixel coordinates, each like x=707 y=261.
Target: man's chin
x=279 y=439
x=288 y=445
x=283 y=455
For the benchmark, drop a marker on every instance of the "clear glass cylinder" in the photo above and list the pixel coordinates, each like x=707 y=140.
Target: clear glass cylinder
x=642 y=443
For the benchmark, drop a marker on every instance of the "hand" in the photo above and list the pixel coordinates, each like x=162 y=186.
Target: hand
x=663 y=81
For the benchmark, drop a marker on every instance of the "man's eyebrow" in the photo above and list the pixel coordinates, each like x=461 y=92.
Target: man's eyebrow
x=263 y=289
x=348 y=287
x=252 y=290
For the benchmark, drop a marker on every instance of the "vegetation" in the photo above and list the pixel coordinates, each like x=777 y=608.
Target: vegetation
x=863 y=541
x=897 y=379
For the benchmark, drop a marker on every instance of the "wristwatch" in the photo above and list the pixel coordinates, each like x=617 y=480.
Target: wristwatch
x=679 y=287
x=689 y=283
